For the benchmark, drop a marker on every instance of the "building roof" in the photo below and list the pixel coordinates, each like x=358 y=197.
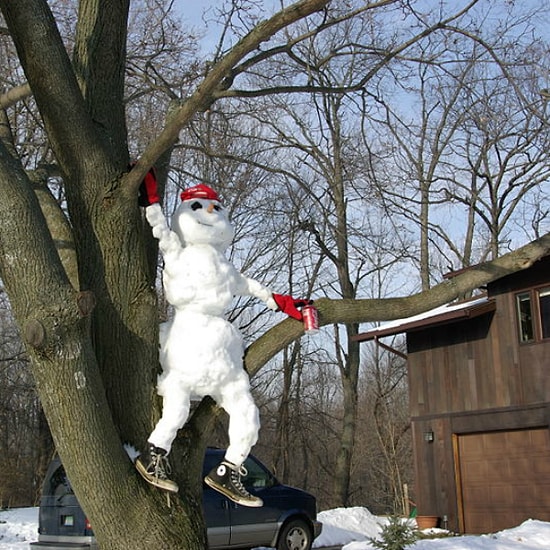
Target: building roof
x=440 y=315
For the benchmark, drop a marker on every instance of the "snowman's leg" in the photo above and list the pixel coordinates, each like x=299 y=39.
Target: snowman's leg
x=244 y=418
x=175 y=411
x=244 y=425
x=153 y=463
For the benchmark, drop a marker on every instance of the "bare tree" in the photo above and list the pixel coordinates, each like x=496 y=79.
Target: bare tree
x=464 y=137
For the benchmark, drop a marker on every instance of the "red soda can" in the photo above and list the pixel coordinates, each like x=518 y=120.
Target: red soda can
x=311 y=319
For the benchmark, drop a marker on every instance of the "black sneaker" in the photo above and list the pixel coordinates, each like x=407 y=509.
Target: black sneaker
x=154 y=467
x=226 y=479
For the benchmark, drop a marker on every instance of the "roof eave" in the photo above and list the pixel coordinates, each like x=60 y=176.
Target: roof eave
x=440 y=319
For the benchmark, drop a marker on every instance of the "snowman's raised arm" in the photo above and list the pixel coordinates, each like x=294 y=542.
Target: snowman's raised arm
x=169 y=242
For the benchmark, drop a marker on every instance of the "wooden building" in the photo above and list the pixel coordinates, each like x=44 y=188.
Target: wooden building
x=479 y=379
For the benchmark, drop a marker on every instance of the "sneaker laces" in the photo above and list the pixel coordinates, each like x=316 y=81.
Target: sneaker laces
x=236 y=479
x=159 y=465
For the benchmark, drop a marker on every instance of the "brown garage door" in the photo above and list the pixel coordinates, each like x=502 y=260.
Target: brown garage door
x=504 y=478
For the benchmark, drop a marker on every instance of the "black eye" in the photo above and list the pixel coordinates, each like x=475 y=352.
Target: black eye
x=217 y=208
x=196 y=205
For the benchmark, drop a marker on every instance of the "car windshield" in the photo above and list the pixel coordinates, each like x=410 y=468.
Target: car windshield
x=256 y=476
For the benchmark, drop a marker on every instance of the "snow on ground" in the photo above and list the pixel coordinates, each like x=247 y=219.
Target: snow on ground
x=353 y=527
x=348 y=527
x=18 y=527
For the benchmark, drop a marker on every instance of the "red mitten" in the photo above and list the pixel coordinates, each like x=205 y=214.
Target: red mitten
x=289 y=305
x=148 y=189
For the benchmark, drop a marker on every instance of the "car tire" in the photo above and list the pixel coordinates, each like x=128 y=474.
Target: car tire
x=295 y=535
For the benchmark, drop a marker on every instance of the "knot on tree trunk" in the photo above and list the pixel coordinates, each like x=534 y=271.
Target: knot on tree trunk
x=49 y=327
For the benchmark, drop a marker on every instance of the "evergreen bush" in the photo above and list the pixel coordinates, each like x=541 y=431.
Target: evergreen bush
x=396 y=535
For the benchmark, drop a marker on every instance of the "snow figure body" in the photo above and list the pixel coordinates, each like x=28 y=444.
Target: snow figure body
x=201 y=353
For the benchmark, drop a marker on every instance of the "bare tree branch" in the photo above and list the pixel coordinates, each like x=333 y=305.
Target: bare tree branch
x=205 y=93
x=13 y=96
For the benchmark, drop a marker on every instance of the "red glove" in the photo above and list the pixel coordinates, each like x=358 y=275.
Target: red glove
x=289 y=305
x=148 y=192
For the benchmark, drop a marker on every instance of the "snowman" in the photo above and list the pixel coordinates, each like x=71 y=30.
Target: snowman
x=201 y=353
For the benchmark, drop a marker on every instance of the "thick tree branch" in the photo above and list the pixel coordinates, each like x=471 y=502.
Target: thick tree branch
x=99 y=62
x=21 y=214
x=387 y=309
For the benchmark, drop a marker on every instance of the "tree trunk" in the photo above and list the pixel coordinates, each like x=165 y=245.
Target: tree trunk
x=281 y=452
x=350 y=378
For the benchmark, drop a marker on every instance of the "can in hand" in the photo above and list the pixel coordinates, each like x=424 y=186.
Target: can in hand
x=311 y=319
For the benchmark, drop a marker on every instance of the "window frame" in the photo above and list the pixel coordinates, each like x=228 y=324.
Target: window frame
x=537 y=323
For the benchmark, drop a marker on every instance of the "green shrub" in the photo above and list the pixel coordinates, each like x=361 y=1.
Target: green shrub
x=396 y=535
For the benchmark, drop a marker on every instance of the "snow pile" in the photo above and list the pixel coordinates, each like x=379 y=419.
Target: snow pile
x=344 y=525
x=18 y=527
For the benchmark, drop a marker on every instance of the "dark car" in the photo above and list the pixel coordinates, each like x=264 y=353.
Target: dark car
x=286 y=521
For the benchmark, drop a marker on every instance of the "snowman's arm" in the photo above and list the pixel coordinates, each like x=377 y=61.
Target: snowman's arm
x=169 y=242
x=251 y=287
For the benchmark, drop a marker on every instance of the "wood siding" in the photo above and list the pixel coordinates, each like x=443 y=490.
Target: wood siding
x=473 y=377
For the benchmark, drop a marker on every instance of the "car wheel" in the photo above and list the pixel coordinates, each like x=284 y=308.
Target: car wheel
x=295 y=535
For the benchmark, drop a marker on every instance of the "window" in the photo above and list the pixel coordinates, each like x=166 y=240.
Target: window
x=533 y=311
x=544 y=301
x=525 y=317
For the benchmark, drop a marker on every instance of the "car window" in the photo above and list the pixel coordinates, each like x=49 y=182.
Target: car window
x=256 y=476
x=59 y=484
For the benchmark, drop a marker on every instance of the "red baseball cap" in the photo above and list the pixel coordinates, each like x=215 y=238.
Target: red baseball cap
x=199 y=191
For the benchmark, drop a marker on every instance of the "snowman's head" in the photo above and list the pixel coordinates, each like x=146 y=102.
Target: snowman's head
x=202 y=219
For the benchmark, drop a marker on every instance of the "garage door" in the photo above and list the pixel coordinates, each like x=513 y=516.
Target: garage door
x=504 y=478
